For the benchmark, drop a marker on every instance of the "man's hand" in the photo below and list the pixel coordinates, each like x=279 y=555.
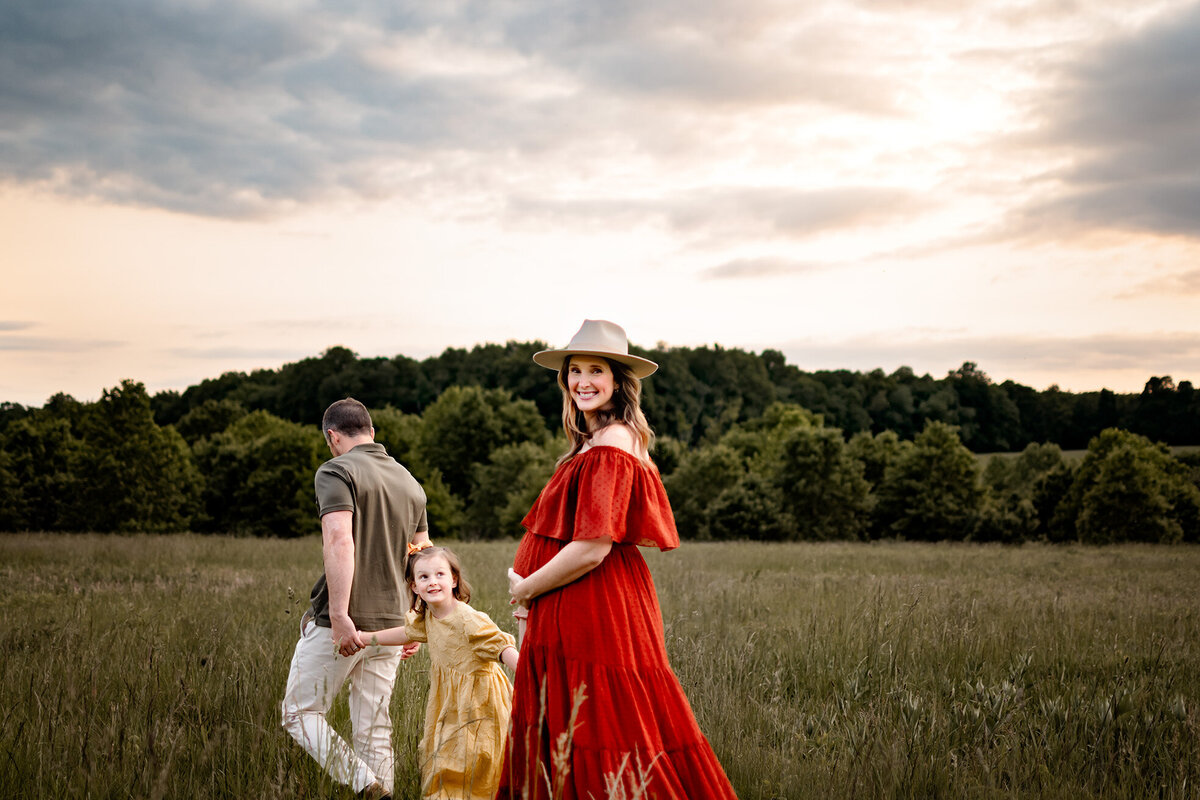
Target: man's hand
x=345 y=635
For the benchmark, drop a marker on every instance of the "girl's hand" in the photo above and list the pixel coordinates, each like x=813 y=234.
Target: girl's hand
x=520 y=612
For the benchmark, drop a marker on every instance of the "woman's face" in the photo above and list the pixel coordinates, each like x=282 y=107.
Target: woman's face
x=590 y=382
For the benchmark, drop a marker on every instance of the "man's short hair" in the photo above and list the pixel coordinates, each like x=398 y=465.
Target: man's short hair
x=348 y=417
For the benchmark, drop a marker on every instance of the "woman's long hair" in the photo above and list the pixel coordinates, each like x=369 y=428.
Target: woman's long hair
x=626 y=408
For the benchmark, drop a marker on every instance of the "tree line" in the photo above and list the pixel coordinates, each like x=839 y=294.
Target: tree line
x=869 y=456
x=699 y=393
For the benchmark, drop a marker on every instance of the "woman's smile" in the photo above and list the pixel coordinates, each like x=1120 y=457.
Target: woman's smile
x=590 y=381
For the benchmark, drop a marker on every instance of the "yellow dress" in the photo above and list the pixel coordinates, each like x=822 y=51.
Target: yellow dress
x=470 y=700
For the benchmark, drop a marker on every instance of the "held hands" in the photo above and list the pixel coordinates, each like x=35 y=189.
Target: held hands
x=372 y=638
x=345 y=638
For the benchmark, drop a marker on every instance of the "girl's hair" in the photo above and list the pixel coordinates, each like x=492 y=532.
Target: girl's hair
x=626 y=408
x=461 y=592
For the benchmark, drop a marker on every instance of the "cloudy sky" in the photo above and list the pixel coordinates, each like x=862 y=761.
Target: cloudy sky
x=197 y=186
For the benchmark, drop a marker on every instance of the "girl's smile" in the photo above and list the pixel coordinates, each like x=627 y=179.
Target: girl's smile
x=434 y=582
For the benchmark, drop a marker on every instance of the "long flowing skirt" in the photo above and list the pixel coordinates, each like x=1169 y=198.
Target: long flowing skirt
x=596 y=705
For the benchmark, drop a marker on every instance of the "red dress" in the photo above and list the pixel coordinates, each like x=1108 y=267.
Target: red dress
x=603 y=635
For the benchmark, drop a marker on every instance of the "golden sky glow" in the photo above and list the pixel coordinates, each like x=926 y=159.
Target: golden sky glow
x=190 y=188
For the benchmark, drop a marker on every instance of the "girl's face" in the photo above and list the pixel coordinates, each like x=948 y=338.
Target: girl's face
x=590 y=382
x=434 y=582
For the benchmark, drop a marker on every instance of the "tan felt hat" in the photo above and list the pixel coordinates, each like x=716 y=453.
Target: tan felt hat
x=597 y=337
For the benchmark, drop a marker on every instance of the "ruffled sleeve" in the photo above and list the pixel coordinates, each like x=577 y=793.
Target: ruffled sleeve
x=486 y=639
x=605 y=491
x=414 y=627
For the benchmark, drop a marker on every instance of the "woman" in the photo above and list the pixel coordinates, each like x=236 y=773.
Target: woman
x=596 y=705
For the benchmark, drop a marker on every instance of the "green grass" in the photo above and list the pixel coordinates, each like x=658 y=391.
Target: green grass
x=153 y=667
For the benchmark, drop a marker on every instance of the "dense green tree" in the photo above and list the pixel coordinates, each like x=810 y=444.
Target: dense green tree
x=760 y=441
x=700 y=393
x=731 y=489
x=667 y=453
x=493 y=366
x=260 y=477
x=752 y=508
x=400 y=434
x=1049 y=492
x=1129 y=489
x=822 y=486
x=44 y=463
x=1016 y=486
x=446 y=510
x=876 y=453
x=11 y=412
x=11 y=501
x=933 y=490
x=139 y=476
x=466 y=423
x=208 y=419
x=995 y=421
x=506 y=486
x=702 y=475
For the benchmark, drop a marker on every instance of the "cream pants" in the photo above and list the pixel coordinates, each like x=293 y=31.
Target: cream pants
x=316 y=677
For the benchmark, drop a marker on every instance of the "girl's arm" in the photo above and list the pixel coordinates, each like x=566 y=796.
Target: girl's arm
x=509 y=658
x=575 y=560
x=388 y=636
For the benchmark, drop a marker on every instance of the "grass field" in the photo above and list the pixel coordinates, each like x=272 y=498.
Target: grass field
x=152 y=667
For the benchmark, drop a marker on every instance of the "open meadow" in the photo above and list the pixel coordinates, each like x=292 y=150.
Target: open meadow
x=152 y=666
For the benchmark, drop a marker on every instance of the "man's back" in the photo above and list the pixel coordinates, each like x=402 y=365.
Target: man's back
x=388 y=507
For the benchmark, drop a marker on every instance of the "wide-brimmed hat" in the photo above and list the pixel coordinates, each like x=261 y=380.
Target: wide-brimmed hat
x=597 y=337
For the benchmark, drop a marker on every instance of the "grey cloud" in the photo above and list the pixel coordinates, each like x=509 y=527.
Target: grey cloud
x=14 y=325
x=760 y=267
x=1129 y=111
x=1181 y=283
x=715 y=53
x=239 y=108
x=737 y=212
x=222 y=109
x=52 y=344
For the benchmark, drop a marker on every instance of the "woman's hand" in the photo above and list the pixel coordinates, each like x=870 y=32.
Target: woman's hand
x=514 y=581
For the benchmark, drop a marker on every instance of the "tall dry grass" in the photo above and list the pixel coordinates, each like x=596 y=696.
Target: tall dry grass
x=153 y=666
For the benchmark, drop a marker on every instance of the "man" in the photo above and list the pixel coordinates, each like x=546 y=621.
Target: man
x=371 y=510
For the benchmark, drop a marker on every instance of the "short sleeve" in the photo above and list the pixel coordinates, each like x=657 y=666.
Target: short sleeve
x=414 y=627
x=602 y=502
x=423 y=522
x=333 y=491
x=486 y=639
x=605 y=491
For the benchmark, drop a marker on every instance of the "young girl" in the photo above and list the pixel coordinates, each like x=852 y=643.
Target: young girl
x=470 y=697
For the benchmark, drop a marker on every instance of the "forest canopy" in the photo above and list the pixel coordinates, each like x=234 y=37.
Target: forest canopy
x=749 y=446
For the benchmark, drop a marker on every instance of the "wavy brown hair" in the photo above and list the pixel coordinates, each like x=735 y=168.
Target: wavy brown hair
x=626 y=408
x=461 y=592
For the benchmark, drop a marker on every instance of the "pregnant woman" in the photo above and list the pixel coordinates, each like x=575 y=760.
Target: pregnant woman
x=596 y=705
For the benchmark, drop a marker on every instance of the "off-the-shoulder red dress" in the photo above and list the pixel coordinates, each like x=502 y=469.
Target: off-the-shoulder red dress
x=602 y=634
